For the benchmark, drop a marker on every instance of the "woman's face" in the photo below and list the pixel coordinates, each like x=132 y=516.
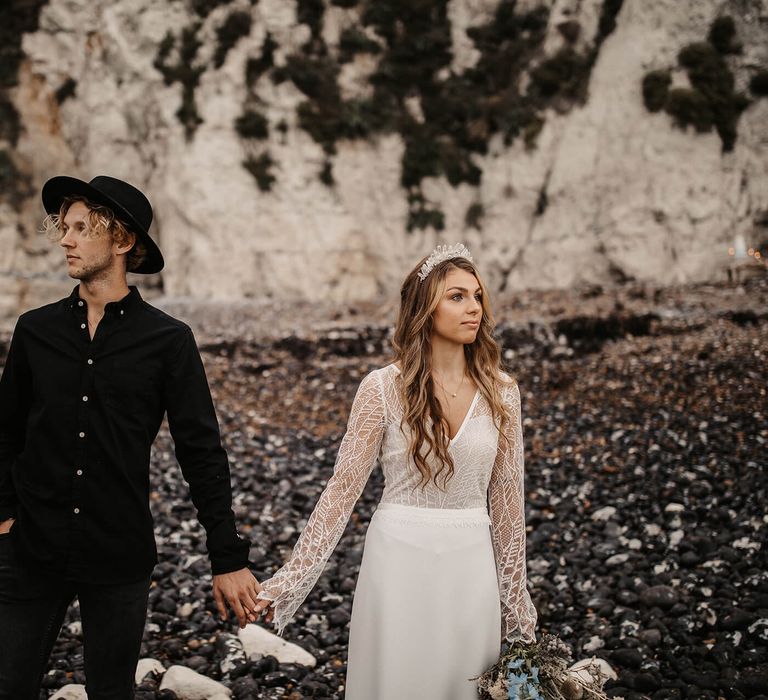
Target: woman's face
x=459 y=311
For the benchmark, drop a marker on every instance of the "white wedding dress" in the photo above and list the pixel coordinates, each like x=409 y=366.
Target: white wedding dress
x=443 y=575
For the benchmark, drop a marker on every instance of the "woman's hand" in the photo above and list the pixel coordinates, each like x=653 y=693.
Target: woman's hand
x=6 y=525
x=263 y=605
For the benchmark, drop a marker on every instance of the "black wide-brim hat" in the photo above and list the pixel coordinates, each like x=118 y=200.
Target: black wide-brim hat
x=128 y=204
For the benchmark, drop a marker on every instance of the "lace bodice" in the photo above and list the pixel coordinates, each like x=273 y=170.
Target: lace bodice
x=488 y=471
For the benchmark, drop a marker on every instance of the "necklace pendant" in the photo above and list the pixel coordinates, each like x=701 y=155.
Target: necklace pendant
x=454 y=395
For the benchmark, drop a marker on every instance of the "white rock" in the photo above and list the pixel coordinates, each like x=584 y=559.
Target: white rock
x=190 y=685
x=605 y=513
x=675 y=537
x=594 y=644
x=538 y=566
x=70 y=692
x=674 y=508
x=258 y=641
x=580 y=670
x=147 y=666
x=186 y=610
x=617 y=559
x=760 y=628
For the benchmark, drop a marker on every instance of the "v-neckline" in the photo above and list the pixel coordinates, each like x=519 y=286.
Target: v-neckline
x=452 y=440
x=466 y=417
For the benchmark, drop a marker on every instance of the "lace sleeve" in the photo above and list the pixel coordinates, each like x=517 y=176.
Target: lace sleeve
x=508 y=526
x=354 y=463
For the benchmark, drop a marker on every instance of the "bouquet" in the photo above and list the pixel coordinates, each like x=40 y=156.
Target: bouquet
x=542 y=671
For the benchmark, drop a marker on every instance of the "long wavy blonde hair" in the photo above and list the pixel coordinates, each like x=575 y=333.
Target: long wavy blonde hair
x=422 y=414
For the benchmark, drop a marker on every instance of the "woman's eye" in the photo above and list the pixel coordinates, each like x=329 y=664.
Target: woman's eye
x=457 y=297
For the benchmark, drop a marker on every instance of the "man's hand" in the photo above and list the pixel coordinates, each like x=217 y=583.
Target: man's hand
x=237 y=589
x=6 y=525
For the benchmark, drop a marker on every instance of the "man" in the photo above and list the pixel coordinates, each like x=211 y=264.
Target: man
x=86 y=383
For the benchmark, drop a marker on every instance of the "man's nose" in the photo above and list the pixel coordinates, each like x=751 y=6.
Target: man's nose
x=66 y=240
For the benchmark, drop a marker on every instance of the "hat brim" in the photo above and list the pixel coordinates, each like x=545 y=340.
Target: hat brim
x=57 y=189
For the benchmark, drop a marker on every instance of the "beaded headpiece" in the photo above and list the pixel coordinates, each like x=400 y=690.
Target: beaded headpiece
x=442 y=253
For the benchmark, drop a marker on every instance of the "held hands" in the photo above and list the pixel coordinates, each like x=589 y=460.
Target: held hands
x=261 y=606
x=238 y=590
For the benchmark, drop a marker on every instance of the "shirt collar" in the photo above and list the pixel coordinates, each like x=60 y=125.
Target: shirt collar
x=119 y=308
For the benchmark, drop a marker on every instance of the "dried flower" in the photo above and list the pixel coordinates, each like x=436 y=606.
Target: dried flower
x=540 y=671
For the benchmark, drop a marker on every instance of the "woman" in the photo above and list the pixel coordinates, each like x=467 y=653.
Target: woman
x=438 y=588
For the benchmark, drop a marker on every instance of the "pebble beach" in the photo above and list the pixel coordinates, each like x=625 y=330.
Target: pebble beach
x=646 y=444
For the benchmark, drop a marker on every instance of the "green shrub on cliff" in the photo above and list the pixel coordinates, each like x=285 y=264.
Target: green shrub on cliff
x=655 y=89
x=711 y=101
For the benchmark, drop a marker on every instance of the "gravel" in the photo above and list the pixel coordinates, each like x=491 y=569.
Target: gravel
x=646 y=435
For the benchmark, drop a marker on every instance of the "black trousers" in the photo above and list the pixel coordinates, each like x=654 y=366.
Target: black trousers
x=32 y=610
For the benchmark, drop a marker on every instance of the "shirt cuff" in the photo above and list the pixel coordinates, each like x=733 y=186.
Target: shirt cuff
x=234 y=559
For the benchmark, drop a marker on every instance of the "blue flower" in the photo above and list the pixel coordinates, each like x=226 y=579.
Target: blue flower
x=535 y=674
x=515 y=685
x=517 y=663
x=533 y=692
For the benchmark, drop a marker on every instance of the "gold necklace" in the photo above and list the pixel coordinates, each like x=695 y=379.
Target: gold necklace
x=458 y=389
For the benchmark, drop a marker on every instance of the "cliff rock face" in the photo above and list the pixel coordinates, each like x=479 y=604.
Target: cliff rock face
x=292 y=150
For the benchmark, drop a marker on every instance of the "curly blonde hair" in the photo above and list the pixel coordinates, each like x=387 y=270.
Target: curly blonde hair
x=412 y=342
x=101 y=220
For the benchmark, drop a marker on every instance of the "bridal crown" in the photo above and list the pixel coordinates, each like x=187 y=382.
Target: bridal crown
x=442 y=253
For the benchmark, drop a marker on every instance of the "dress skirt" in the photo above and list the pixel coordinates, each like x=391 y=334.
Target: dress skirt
x=426 y=615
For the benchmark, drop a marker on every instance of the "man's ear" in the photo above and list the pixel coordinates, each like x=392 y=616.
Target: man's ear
x=125 y=248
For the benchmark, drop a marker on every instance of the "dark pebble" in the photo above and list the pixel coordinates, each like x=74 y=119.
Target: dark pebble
x=274 y=679
x=659 y=597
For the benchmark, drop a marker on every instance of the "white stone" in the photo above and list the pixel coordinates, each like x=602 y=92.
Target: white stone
x=71 y=691
x=605 y=513
x=190 y=685
x=258 y=641
x=617 y=559
x=538 y=566
x=746 y=543
x=593 y=644
x=146 y=667
x=186 y=610
x=674 y=508
x=675 y=537
x=581 y=670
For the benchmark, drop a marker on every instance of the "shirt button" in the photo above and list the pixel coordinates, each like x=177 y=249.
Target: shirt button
x=90 y=361
x=79 y=472
x=79 y=303
x=77 y=510
x=85 y=398
x=121 y=312
x=82 y=325
x=82 y=434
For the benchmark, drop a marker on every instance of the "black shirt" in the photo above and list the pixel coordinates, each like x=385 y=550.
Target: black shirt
x=77 y=421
